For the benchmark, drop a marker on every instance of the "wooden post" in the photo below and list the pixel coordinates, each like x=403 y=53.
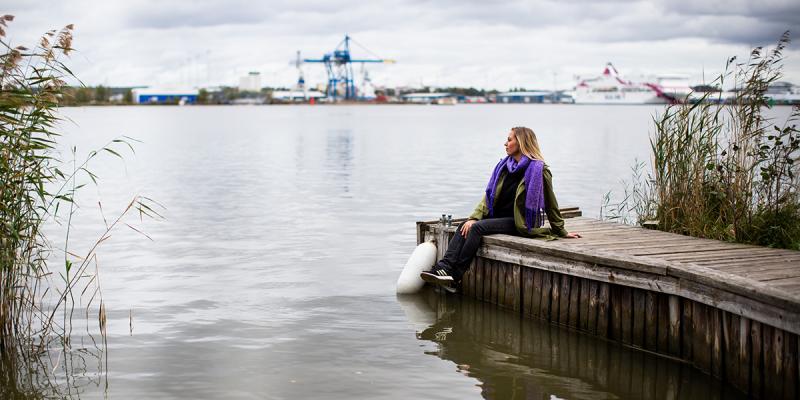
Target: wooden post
x=537 y=293
x=593 y=305
x=615 y=324
x=574 y=301
x=756 y=365
x=715 y=329
x=527 y=292
x=514 y=291
x=547 y=295
x=686 y=329
x=701 y=349
x=651 y=321
x=555 y=297
x=563 y=300
x=603 y=304
x=626 y=320
x=638 y=311
x=502 y=271
x=790 y=360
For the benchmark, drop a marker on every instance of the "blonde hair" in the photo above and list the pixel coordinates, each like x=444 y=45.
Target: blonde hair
x=528 y=144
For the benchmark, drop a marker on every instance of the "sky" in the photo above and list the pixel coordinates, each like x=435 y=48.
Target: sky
x=480 y=43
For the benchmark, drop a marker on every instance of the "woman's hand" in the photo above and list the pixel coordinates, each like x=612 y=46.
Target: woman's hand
x=573 y=235
x=467 y=225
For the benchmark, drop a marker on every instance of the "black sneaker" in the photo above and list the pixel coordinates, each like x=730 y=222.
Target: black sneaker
x=438 y=275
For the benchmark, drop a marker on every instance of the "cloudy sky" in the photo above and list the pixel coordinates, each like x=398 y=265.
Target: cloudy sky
x=481 y=43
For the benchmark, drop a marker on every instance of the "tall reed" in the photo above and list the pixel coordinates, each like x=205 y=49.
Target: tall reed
x=723 y=171
x=35 y=308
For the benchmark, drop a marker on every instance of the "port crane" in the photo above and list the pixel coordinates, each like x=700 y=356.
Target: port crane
x=339 y=65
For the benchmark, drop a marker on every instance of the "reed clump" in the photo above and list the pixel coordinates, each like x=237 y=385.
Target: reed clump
x=723 y=171
x=37 y=294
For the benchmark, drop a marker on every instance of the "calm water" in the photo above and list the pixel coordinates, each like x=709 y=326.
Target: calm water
x=286 y=228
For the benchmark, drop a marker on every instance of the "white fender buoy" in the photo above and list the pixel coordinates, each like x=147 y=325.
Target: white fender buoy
x=423 y=258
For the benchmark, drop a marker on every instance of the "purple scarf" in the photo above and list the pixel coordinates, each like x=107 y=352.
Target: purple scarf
x=534 y=187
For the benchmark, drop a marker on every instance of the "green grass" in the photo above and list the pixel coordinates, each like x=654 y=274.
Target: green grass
x=38 y=298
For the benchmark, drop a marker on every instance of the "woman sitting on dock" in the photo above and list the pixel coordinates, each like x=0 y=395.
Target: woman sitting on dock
x=519 y=190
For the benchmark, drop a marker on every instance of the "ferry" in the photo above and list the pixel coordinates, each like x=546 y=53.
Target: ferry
x=610 y=88
x=783 y=93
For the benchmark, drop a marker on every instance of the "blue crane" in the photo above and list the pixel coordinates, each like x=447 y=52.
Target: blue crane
x=339 y=65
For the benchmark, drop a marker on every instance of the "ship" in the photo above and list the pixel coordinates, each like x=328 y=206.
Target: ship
x=610 y=88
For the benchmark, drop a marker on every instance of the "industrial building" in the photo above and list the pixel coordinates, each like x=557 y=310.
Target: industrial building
x=251 y=82
x=296 y=96
x=164 y=96
x=538 y=96
x=429 y=98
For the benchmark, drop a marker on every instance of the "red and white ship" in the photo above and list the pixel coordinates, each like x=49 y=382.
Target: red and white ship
x=610 y=88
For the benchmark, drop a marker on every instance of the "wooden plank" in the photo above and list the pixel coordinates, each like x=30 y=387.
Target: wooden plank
x=771 y=387
x=699 y=254
x=546 y=295
x=574 y=301
x=638 y=312
x=651 y=321
x=502 y=269
x=555 y=298
x=564 y=297
x=736 y=285
x=783 y=275
x=686 y=329
x=786 y=285
x=487 y=281
x=466 y=286
x=536 y=295
x=777 y=354
x=730 y=342
x=591 y=316
x=743 y=357
x=514 y=296
x=754 y=263
x=715 y=330
x=479 y=267
x=564 y=251
x=662 y=323
x=583 y=310
x=680 y=250
x=675 y=325
x=626 y=298
x=630 y=241
x=592 y=238
x=581 y=269
x=603 y=301
x=615 y=324
x=627 y=240
x=701 y=348
x=756 y=365
x=612 y=240
x=790 y=360
x=527 y=292
x=494 y=266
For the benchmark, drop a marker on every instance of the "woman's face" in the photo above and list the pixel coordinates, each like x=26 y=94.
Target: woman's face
x=512 y=146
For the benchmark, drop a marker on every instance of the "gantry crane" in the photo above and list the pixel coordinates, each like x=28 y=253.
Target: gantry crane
x=339 y=65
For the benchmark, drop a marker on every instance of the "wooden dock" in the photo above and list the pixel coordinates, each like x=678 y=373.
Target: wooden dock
x=731 y=310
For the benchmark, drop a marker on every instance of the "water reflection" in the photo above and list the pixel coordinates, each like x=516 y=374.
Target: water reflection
x=527 y=359
x=59 y=373
x=339 y=157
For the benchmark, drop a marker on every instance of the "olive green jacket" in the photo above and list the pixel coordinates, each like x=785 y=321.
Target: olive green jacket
x=556 y=228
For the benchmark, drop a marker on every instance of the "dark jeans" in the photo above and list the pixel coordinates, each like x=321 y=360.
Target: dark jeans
x=461 y=250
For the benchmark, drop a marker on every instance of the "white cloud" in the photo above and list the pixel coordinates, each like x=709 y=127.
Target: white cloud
x=466 y=43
